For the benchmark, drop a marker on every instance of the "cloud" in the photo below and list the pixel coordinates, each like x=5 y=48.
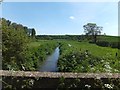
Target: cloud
x=72 y=17
x=107 y=23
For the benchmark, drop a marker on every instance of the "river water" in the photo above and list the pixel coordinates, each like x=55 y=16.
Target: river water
x=50 y=65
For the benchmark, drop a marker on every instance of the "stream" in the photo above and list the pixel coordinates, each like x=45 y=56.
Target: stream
x=50 y=64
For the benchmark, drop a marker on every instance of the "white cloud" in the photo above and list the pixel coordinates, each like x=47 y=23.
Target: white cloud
x=107 y=23
x=72 y=17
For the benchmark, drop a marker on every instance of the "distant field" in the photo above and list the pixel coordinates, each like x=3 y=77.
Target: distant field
x=109 y=38
x=92 y=48
x=40 y=42
x=75 y=45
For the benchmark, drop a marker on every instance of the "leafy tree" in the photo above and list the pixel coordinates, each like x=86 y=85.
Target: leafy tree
x=14 y=44
x=33 y=32
x=93 y=30
x=26 y=29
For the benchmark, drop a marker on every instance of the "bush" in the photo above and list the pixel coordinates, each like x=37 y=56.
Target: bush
x=14 y=46
x=74 y=61
x=108 y=44
x=103 y=43
x=114 y=44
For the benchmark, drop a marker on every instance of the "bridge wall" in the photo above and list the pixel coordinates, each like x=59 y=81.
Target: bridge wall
x=29 y=79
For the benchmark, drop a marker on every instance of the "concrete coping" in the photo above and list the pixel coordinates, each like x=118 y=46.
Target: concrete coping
x=58 y=74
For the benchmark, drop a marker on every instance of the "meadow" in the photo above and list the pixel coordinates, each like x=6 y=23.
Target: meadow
x=86 y=57
x=76 y=56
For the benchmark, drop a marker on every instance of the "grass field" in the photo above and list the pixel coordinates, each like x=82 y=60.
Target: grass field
x=109 y=38
x=39 y=43
x=92 y=48
x=100 y=59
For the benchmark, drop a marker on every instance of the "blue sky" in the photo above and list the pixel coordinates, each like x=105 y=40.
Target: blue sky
x=63 y=17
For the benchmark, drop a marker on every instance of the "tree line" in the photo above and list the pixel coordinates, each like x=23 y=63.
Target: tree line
x=7 y=24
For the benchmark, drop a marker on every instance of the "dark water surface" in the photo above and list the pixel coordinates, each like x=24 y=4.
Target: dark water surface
x=50 y=65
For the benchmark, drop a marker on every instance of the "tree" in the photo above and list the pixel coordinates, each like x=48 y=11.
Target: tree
x=33 y=32
x=93 y=30
x=14 y=45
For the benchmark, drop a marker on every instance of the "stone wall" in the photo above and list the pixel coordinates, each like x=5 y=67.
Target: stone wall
x=28 y=79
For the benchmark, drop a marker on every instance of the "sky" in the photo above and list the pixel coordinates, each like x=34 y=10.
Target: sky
x=61 y=18
x=61 y=0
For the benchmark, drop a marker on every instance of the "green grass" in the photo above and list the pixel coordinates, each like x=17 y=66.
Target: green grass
x=101 y=57
x=40 y=42
x=109 y=38
x=92 y=48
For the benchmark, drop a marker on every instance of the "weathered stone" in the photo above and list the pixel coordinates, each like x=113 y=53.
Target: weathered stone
x=58 y=74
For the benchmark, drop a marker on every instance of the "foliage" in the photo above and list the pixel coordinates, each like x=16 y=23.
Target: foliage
x=105 y=41
x=93 y=30
x=38 y=51
x=19 y=50
x=90 y=83
x=33 y=32
x=108 y=41
x=14 y=42
x=85 y=57
x=60 y=37
x=14 y=83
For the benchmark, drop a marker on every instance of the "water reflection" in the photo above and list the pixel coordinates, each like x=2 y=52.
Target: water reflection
x=50 y=64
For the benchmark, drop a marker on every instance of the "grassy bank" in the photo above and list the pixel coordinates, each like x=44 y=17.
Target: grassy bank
x=85 y=57
x=39 y=51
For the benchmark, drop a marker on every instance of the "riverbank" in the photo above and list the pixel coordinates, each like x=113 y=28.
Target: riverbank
x=86 y=57
x=40 y=50
x=50 y=64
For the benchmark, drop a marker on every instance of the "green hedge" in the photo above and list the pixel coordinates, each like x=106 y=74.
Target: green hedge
x=108 y=44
